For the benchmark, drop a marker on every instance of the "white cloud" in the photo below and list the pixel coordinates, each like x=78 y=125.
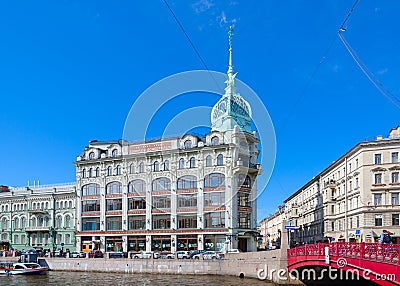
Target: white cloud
x=383 y=71
x=222 y=19
x=202 y=6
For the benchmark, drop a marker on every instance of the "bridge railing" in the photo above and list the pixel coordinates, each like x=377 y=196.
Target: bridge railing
x=385 y=253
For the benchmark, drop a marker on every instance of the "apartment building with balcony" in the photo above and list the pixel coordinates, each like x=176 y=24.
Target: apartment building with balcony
x=354 y=199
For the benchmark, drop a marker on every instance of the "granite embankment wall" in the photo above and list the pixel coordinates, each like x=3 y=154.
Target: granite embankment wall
x=251 y=265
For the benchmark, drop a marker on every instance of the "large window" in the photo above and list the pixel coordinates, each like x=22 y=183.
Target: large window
x=244 y=220
x=209 y=161
x=141 y=167
x=114 y=204
x=187 y=221
x=67 y=220
x=244 y=181
x=377 y=199
x=161 y=221
x=214 y=199
x=156 y=166
x=378 y=220
x=220 y=160
x=214 y=180
x=192 y=162
x=161 y=184
x=244 y=200
x=137 y=222
x=162 y=202
x=136 y=204
x=395 y=157
x=378 y=158
x=214 y=141
x=395 y=198
x=214 y=220
x=378 y=178
x=91 y=206
x=114 y=223
x=395 y=177
x=132 y=169
x=92 y=223
x=91 y=190
x=187 y=200
x=395 y=219
x=166 y=165
x=137 y=187
x=188 y=144
x=118 y=170
x=114 y=188
x=181 y=163
x=187 y=183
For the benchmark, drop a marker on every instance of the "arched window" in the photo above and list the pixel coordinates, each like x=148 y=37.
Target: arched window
x=109 y=171
x=166 y=165
x=97 y=172
x=244 y=181
x=209 y=161
x=215 y=141
x=46 y=221
x=16 y=223
x=47 y=205
x=89 y=190
x=114 y=153
x=33 y=222
x=59 y=221
x=132 y=169
x=67 y=221
x=181 y=163
x=188 y=144
x=40 y=221
x=156 y=166
x=118 y=170
x=214 y=180
x=90 y=172
x=187 y=183
x=192 y=162
x=220 y=160
x=70 y=204
x=141 y=167
x=67 y=238
x=84 y=173
x=23 y=222
x=91 y=155
x=137 y=187
x=161 y=184
x=114 y=188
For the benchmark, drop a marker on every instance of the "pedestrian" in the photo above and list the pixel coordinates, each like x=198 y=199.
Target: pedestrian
x=385 y=237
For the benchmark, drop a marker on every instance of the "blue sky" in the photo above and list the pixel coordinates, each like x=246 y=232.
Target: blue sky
x=71 y=70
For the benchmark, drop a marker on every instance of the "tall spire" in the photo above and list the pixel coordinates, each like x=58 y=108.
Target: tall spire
x=230 y=35
x=230 y=88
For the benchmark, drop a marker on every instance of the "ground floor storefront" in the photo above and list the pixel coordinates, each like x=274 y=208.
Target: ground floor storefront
x=159 y=242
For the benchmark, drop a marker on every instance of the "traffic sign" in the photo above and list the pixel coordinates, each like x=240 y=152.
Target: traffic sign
x=291 y=227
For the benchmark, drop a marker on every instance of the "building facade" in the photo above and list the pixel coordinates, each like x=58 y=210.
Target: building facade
x=173 y=194
x=271 y=229
x=354 y=199
x=41 y=217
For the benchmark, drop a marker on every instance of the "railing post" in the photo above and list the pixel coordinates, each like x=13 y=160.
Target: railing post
x=319 y=249
x=362 y=250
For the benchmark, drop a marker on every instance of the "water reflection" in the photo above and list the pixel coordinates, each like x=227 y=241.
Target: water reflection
x=116 y=279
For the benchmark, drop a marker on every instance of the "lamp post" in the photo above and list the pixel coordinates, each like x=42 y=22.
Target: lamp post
x=11 y=220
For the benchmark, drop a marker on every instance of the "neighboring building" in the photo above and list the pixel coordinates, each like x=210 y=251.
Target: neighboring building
x=173 y=194
x=271 y=229
x=354 y=199
x=41 y=217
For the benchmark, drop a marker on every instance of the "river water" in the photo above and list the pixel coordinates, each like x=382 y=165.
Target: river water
x=117 y=279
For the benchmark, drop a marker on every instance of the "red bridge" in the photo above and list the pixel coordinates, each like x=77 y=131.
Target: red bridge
x=375 y=262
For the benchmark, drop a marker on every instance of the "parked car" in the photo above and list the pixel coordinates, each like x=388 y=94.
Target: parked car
x=142 y=255
x=196 y=254
x=233 y=250
x=167 y=255
x=77 y=254
x=212 y=255
x=118 y=255
x=96 y=254
x=182 y=254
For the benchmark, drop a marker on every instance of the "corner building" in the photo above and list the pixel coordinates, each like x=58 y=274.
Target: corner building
x=173 y=194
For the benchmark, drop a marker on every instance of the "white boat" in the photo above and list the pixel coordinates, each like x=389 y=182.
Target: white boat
x=19 y=268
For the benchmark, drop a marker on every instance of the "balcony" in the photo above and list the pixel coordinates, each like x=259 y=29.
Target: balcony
x=331 y=184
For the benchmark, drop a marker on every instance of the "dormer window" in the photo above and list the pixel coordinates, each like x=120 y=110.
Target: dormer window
x=114 y=153
x=188 y=144
x=91 y=155
x=215 y=141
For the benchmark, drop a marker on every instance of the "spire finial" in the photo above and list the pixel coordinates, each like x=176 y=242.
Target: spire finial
x=230 y=34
